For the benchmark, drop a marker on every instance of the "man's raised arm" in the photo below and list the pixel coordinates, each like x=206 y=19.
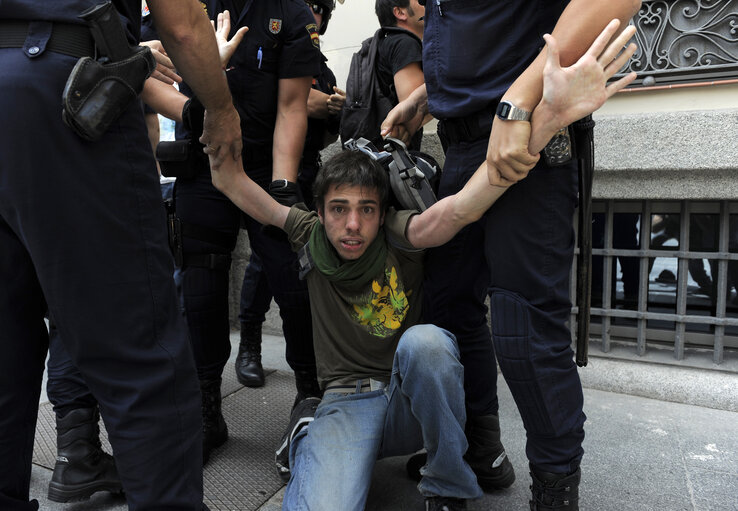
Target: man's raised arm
x=508 y=155
x=569 y=94
x=252 y=199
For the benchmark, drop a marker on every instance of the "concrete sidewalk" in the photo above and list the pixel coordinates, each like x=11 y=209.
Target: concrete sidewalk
x=641 y=453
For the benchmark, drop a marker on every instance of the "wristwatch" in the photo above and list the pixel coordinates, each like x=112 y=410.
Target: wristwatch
x=509 y=112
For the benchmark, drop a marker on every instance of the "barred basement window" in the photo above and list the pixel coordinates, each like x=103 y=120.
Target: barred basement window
x=665 y=274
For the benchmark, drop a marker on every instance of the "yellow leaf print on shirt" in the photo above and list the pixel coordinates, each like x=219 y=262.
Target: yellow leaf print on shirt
x=387 y=308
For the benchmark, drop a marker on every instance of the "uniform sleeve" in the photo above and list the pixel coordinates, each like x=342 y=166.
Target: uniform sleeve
x=301 y=51
x=395 y=225
x=403 y=50
x=299 y=225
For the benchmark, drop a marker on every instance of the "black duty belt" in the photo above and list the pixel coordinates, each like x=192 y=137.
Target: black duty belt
x=467 y=129
x=220 y=262
x=67 y=38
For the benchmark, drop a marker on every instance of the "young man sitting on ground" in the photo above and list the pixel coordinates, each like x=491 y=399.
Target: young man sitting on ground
x=391 y=386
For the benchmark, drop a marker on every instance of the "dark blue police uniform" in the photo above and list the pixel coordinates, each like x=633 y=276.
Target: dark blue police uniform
x=255 y=292
x=520 y=252
x=277 y=46
x=82 y=229
x=65 y=386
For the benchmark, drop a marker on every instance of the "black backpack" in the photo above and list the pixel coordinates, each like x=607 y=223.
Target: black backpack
x=413 y=176
x=366 y=104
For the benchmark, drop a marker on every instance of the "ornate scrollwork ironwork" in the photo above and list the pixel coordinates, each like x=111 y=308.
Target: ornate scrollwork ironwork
x=686 y=40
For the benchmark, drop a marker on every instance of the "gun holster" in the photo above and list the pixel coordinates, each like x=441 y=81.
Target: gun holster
x=97 y=93
x=182 y=159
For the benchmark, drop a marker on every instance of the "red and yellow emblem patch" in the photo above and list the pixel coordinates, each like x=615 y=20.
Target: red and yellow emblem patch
x=275 y=26
x=312 y=30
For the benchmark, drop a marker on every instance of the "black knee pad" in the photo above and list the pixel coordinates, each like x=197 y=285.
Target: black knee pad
x=511 y=333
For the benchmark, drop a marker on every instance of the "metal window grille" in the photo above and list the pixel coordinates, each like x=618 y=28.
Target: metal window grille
x=650 y=284
x=685 y=41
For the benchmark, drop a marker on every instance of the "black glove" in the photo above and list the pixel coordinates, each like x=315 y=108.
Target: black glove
x=193 y=117
x=285 y=192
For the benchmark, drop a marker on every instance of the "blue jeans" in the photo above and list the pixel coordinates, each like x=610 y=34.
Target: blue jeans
x=423 y=406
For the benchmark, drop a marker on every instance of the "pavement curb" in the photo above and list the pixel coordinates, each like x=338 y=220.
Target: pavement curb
x=677 y=384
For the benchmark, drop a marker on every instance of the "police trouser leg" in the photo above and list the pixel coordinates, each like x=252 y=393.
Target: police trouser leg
x=210 y=224
x=290 y=293
x=65 y=386
x=23 y=343
x=89 y=218
x=529 y=246
x=256 y=296
x=455 y=289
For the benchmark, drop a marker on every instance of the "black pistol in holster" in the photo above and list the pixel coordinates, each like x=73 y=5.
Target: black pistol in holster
x=99 y=90
x=577 y=141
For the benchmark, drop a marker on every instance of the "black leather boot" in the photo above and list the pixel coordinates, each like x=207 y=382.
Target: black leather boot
x=82 y=467
x=249 y=371
x=551 y=491
x=486 y=454
x=307 y=386
x=214 y=428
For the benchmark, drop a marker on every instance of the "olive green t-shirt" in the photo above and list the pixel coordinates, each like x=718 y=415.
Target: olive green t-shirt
x=355 y=333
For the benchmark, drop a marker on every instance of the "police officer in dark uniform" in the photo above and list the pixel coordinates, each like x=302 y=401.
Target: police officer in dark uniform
x=269 y=76
x=480 y=59
x=82 y=467
x=324 y=106
x=82 y=230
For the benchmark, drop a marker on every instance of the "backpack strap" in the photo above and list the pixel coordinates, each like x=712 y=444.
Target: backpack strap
x=305 y=261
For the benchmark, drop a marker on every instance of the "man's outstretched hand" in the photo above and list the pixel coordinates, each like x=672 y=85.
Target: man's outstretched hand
x=226 y=47
x=573 y=92
x=569 y=94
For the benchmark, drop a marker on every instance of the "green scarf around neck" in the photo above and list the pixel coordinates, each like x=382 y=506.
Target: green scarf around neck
x=351 y=275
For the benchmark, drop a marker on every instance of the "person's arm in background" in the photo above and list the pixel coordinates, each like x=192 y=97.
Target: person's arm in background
x=187 y=35
x=508 y=156
x=290 y=128
x=407 y=117
x=167 y=100
x=163 y=98
x=321 y=105
x=408 y=79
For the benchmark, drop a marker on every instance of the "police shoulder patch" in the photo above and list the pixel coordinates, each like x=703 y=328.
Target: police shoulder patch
x=312 y=30
x=204 y=6
x=275 y=25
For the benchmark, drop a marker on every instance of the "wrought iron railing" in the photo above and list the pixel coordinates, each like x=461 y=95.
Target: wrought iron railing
x=685 y=41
